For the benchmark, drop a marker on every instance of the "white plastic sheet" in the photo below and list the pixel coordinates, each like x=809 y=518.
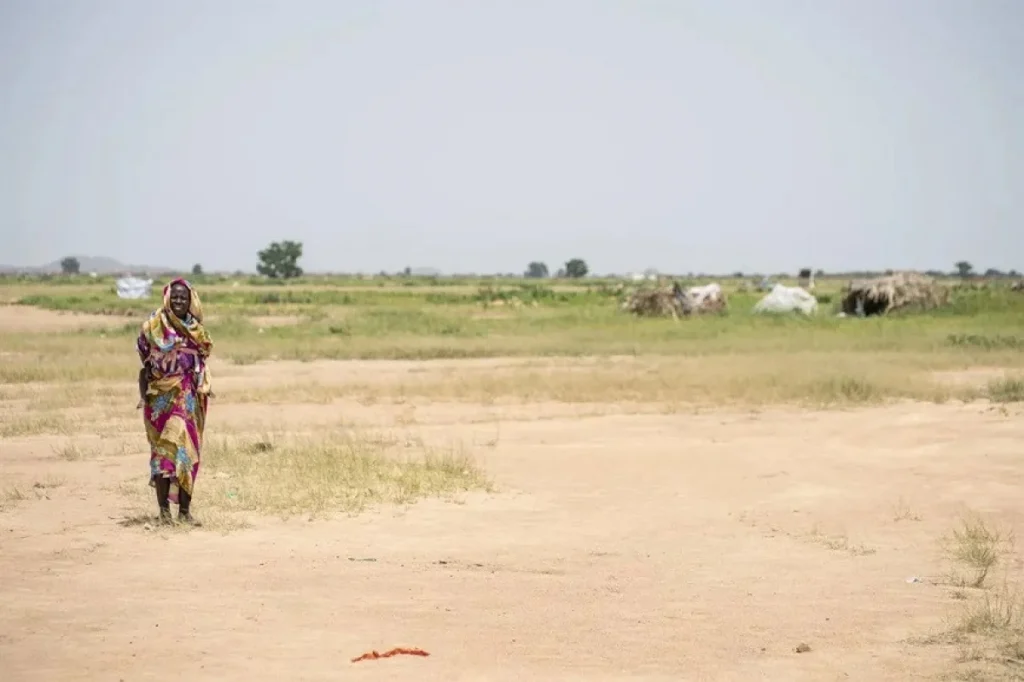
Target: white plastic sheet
x=134 y=288
x=708 y=292
x=783 y=299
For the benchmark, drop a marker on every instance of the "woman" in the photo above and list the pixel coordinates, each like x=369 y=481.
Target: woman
x=175 y=388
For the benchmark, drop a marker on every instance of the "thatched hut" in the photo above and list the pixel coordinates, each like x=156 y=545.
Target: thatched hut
x=883 y=295
x=652 y=302
x=675 y=301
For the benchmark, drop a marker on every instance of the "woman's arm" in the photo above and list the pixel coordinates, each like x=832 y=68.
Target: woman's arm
x=143 y=348
x=143 y=385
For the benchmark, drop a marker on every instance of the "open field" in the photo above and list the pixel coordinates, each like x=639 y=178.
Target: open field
x=544 y=489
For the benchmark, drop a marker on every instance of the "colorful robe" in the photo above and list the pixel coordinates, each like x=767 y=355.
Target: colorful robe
x=174 y=353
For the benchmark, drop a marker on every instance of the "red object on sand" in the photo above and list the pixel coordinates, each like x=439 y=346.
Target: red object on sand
x=397 y=651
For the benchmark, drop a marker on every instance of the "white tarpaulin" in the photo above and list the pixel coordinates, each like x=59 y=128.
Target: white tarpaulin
x=133 y=287
x=783 y=299
x=706 y=293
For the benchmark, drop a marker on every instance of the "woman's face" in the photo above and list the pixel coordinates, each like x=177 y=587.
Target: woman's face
x=180 y=300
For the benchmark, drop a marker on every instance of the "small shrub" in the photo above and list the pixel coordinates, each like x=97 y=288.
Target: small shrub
x=977 y=547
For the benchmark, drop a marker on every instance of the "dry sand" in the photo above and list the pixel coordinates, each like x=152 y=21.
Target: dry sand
x=620 y=547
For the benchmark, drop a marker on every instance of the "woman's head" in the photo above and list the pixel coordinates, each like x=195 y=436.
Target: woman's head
x=179 y=299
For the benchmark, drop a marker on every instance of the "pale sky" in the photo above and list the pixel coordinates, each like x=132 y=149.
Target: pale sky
x=476 y=136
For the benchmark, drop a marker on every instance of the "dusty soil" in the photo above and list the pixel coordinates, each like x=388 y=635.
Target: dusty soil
x=269 y=321
x=654 y=546
x=19 y=318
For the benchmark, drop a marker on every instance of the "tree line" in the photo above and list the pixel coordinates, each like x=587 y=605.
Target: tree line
x=280 y=260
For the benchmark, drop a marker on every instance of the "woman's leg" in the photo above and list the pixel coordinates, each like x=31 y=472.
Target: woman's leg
x=184 y=504
x=163 y=487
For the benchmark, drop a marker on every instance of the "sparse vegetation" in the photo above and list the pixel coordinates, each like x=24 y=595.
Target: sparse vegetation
x=987 y=625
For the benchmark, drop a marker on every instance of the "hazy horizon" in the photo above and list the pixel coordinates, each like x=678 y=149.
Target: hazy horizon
x=696 y=136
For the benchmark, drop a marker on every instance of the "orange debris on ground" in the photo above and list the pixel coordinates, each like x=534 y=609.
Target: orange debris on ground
x=397 y=651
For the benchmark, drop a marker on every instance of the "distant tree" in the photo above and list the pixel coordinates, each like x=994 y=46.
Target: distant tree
x=280 y=260
x=197 y=269
x=536 y=270
x=964 y=269
x=805 y=273
x=407 y=272
x=576 y=268
x=70 y=266
x=993 y=273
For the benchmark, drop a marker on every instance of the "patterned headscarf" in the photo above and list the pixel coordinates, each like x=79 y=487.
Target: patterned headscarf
x=164 y=329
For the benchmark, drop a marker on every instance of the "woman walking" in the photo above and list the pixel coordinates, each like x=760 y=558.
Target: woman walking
x=174 y=384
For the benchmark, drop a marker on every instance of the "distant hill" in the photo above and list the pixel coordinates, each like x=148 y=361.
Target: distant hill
x=101 y=265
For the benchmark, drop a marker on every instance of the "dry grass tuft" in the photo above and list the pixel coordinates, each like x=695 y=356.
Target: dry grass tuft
x=10 y=497
x=975 y=548
x=902 y=511
x=839 y=542
x=73 y=452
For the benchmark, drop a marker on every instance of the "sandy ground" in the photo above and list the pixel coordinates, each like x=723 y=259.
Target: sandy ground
x=19 y=318
x=691 y=546
x=660 y=547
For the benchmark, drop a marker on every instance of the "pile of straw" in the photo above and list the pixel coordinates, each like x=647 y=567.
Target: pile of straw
x=1017 y=286
x=883 y=295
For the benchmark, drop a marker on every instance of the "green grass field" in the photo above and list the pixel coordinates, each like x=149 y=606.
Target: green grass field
x=737 y=357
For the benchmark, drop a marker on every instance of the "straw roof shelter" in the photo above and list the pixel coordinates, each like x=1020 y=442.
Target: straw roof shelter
x=899 y=291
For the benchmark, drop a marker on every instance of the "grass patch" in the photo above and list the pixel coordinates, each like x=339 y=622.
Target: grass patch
x=342 y=473
x=986 y=342
x=15 y=426
x=284 y=476
x=1006 y=390
x=813 y=380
